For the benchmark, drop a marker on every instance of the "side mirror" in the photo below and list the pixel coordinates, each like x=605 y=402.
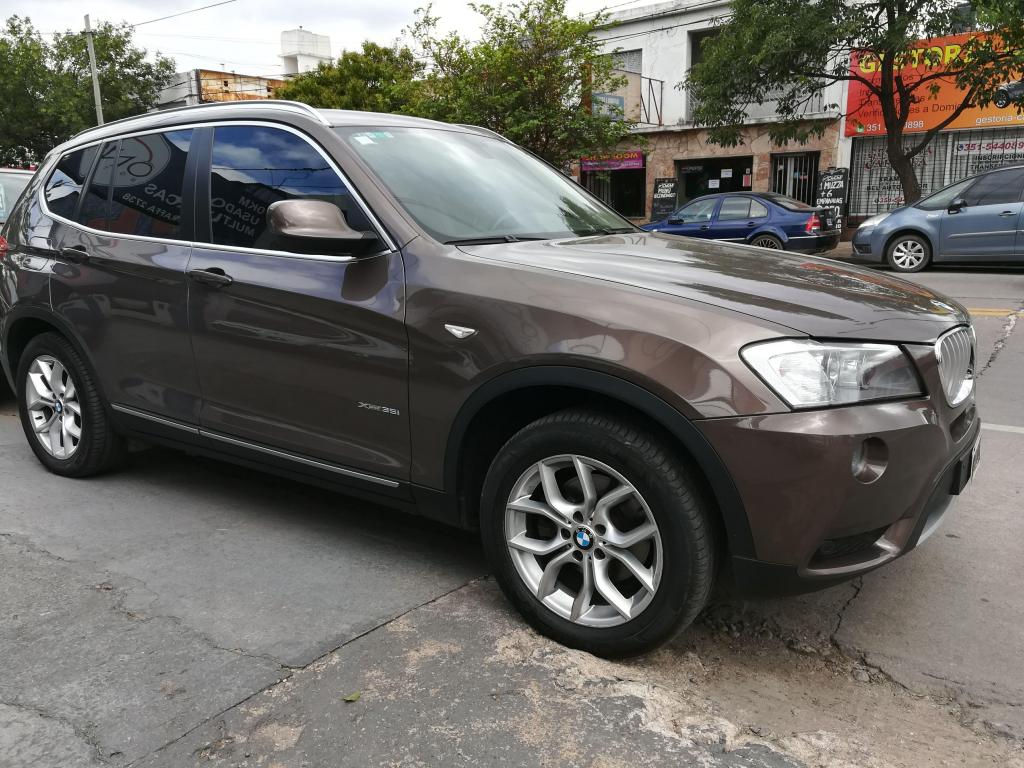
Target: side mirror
x=957 y=205
x=316 y=226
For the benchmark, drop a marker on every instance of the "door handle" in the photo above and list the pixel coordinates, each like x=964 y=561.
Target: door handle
x=705 y=226
x=74 y=253
x=751 y=223
x=214 y=276
x=1008 y=214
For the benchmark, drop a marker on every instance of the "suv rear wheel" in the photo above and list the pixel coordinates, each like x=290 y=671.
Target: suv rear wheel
x=597 y=534
x=61 y=412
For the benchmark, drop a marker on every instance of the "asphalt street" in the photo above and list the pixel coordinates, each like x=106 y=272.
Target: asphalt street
x=185 y=612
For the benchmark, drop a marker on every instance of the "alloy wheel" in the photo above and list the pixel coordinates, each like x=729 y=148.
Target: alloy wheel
x=768 y=242
x=53 y=407
x=583 y=540
x=908 y=254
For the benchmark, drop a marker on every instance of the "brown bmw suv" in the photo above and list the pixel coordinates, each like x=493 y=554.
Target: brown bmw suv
x=426 y=315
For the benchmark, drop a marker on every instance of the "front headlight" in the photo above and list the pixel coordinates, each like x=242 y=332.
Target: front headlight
x=811 y=374
x=873 y=221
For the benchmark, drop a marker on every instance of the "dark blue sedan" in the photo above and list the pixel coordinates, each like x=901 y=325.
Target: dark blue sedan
x=764 y=219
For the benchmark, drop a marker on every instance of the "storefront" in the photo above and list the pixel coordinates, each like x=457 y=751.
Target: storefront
x=617 y=178
x=979 y=139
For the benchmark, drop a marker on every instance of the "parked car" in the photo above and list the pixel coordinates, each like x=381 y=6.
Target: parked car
x=425 y=315
x=1007 y=93
x=762 y=219
x=976 y=220
x=12 y=182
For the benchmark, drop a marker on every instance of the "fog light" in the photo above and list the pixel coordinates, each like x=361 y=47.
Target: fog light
x=870 y=459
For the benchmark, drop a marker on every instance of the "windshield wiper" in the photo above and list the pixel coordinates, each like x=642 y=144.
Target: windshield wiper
x=491 y=240
x=606 y=231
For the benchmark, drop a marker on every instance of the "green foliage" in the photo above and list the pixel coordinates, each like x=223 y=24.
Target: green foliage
x=791 y=50
x=46 y=88
x=376 y=79
x=528 y=76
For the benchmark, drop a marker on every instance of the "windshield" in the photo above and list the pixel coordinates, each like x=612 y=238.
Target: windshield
x=463 y=186
x=11 y=185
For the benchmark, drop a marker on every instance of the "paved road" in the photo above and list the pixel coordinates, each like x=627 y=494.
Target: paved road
x=184 y=612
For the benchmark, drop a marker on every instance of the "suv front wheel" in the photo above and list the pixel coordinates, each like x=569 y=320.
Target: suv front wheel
x=597 y=533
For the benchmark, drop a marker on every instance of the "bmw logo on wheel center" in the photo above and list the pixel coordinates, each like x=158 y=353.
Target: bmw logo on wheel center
x=584 y=539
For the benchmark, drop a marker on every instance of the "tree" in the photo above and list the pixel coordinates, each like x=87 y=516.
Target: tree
x=376 y=79
x=529 y=76
x=46 y=90
x=790 y=51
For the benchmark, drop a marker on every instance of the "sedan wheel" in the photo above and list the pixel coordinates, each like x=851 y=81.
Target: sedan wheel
x=767 y=241
x=583 y=540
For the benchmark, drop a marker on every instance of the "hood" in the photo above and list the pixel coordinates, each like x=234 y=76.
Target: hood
x=814 y=296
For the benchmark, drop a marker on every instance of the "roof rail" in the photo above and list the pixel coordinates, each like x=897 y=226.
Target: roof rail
x=291 y=106
x=481 y=129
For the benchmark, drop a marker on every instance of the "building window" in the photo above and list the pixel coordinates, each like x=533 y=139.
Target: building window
x=708 y=175
x=796 y=175
x=629 y=61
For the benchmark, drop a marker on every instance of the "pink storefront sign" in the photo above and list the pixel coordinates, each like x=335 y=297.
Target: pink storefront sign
x=613 y=161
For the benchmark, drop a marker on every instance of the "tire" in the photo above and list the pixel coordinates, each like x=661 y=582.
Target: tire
x=67 y=402
x=767 y=241
x=908 y=253
x=1002 y=100
x=678 y=560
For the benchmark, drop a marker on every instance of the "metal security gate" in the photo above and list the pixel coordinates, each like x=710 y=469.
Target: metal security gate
x=950 y=157
x=796 y=175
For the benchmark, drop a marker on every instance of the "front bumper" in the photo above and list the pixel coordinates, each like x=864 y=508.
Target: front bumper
x=865 y=247
x=814 y=520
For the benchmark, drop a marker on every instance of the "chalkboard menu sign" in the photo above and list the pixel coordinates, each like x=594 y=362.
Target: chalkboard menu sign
x=832 y=189
x=664 y=201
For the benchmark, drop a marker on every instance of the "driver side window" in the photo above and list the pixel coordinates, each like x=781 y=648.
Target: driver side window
x=698 y=210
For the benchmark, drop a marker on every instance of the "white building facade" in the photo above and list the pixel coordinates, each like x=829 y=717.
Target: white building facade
x=654 y=47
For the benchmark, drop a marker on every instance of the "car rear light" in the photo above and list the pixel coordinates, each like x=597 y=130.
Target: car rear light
x=813 y=223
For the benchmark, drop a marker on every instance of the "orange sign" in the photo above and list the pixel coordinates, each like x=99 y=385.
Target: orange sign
x=864 y=113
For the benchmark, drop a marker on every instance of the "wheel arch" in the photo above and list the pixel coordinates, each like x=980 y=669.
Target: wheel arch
x=768 y=229
x=503 y=405
x=23 y=325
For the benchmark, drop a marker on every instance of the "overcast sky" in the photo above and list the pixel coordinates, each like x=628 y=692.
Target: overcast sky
x=244 y=35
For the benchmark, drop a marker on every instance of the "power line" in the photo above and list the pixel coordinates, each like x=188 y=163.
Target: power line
x=183 y=13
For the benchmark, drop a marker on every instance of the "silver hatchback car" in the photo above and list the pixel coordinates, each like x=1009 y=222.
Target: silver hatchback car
x=979 y=220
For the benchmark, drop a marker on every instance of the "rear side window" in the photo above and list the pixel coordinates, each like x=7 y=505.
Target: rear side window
x=996 y=188
x=255 y=166
x=64 y=186
x=734 y=208
x=93 y=212
x=758 y=210
x=148 y=180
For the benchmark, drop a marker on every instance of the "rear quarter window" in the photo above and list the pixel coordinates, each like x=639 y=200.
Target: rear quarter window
x=64 y=184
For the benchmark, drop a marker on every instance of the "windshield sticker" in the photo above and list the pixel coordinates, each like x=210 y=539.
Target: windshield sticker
x=371 y=137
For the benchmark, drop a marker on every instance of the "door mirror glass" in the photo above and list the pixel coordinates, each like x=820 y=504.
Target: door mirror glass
x=956 y=205
x=316 y=226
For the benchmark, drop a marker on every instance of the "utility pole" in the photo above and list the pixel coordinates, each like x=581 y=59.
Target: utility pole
x=95 y=74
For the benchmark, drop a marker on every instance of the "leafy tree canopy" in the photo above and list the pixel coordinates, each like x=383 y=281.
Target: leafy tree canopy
x=375 y=79
x=529 y=76
x=790 y=51
x=46 y=88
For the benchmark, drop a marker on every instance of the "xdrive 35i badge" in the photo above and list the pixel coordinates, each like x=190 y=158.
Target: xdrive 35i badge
x=379 y=408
